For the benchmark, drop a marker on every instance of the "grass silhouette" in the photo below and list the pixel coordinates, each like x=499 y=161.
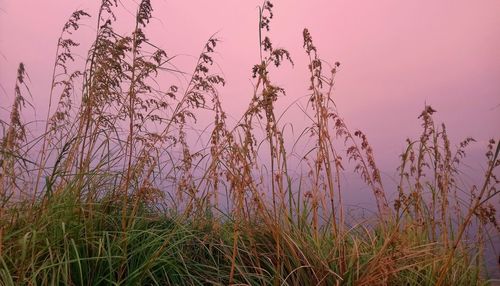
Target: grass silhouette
x=113 y=191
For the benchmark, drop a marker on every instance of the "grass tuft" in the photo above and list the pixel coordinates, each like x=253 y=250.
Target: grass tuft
x=119 y=190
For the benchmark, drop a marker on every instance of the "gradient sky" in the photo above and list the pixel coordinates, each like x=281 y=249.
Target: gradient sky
x=396 y=56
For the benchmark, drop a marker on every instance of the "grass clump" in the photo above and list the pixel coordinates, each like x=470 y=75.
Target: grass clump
x=115 y=192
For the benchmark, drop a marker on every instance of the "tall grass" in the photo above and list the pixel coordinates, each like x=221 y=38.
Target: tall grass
x=114 y=191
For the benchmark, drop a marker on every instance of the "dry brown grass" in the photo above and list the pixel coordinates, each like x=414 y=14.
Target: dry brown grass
x=125 y=138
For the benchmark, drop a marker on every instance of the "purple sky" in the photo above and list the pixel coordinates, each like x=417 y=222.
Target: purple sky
x=396 y=56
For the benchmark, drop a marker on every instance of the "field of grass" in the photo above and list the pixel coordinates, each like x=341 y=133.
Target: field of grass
x=115 y=192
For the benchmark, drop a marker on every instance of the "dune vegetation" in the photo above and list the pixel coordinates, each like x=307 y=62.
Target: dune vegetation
x=116 y=190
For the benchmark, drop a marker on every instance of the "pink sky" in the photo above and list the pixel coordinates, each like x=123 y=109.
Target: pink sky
x=395 y=55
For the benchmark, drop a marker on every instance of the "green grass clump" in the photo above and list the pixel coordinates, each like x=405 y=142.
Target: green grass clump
x=69 y=242
x=115 y=192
